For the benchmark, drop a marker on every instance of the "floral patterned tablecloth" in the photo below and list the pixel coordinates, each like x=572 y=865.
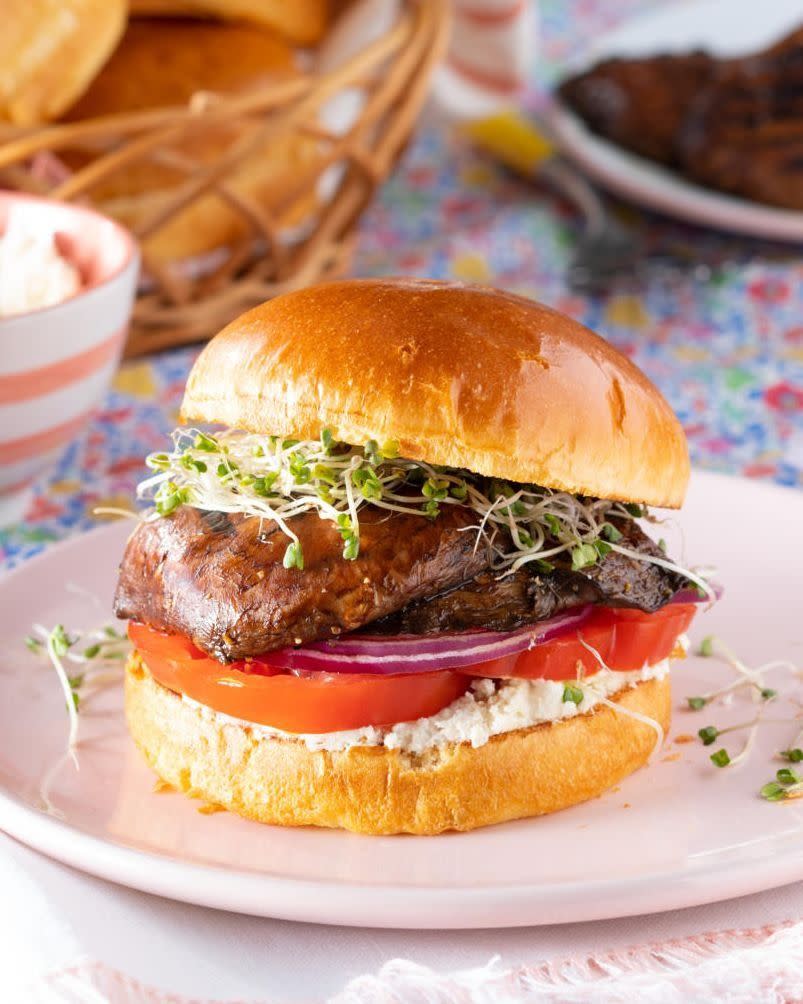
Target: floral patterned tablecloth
x=724 y=343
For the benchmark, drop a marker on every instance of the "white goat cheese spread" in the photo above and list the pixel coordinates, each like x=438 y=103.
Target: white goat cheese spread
x=488 y=708
x=32 y=272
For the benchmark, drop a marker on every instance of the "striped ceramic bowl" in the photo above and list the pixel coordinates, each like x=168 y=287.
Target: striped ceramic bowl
x=56 y=362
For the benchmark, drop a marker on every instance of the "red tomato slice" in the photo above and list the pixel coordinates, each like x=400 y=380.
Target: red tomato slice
x=553 y=660
x=320 y=703
x=641 y=638
x=173 y=646
x=328 y=702
x=625 y=640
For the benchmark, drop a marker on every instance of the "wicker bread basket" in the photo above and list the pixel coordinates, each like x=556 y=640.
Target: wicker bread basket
x=182 y=303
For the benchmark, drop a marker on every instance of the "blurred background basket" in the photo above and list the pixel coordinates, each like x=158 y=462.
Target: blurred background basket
x=303 y=231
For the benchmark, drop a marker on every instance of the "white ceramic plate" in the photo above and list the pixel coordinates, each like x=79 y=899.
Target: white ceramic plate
x=723 y=27
x=676 y=834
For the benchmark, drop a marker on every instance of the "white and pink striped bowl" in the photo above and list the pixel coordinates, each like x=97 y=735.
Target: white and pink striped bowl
x=56 y=363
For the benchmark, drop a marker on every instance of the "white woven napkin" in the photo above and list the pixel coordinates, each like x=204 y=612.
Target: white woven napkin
x=758 y=966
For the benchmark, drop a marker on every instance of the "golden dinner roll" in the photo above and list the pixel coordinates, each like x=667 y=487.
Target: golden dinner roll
x=50 y=50
x=165 y=62
x=460 y=376
x=375 y=790
x=299 y=21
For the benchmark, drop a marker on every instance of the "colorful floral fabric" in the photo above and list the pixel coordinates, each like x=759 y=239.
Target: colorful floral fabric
x=722 y=336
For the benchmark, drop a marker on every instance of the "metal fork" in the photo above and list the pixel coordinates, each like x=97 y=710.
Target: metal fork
x=605 y=251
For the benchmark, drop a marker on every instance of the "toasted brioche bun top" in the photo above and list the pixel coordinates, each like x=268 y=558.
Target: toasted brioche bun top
x=461 y=376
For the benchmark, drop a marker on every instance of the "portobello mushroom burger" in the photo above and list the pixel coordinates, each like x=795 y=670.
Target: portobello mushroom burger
x=394 y=576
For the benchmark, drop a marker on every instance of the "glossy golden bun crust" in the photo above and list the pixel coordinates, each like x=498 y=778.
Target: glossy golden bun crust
x=49 y=52
x=299 y=21
x=374 y=790
x=461 y=376
x=165 y=62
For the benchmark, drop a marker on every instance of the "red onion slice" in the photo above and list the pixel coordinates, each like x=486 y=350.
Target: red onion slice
x=429 y=653
x=422 y=654
x=693 y=596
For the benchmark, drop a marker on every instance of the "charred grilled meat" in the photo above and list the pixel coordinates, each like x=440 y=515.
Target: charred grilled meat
x=731 y=124
x=220 y=580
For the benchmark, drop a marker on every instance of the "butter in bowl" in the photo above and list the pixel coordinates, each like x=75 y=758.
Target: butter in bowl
x=67 y=282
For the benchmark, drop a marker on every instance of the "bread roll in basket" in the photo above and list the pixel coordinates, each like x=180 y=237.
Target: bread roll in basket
x=214 y=141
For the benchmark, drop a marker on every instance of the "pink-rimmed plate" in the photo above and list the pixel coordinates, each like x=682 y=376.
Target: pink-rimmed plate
x=676 y=834
x=723 y=27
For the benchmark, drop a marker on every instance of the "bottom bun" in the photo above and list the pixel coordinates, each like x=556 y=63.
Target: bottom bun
x=371 y=789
